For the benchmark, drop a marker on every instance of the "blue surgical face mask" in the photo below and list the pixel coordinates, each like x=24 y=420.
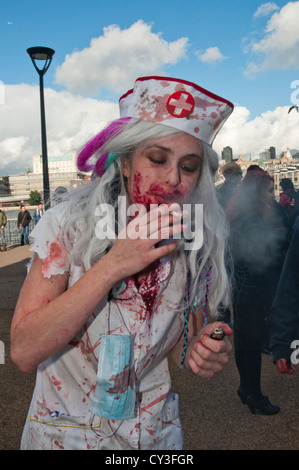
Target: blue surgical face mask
x=115 y=389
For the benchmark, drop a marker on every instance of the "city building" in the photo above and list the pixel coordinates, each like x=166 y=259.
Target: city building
x=286 y=167
x=27 y=182
x=77 y=183
x=272 y=151
x=227 y=154
x=63 y=172
x=268 y=154
x=4 y=186
x=244 y=164
x=62 y=164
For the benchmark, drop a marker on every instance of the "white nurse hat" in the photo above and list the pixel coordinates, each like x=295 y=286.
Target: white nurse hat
x=176 y=103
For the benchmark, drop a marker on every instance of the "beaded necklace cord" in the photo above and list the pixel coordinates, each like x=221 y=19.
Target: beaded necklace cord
x=186 y=311
x=207 y=278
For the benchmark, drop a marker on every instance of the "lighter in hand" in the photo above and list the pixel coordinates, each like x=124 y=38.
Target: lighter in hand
x=217 y=334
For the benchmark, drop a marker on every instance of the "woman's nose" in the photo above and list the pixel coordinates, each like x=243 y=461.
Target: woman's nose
x=172 y=176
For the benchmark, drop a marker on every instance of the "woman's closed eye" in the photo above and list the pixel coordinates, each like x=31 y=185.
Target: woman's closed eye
x=157 y=161
x=191 y=165
x=190 y=168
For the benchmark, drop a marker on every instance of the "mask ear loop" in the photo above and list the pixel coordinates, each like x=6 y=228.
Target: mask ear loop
x=94 y=429
x=111 y=297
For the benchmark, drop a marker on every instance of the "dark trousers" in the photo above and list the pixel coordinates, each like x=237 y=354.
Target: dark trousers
x=25 y=235
x=249 y=364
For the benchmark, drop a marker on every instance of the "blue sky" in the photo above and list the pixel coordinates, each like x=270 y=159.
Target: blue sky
x=244 y=50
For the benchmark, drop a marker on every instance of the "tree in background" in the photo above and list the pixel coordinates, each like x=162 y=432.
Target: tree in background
x=34 y=198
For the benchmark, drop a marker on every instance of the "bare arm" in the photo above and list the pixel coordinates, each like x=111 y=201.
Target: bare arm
x=48 y=316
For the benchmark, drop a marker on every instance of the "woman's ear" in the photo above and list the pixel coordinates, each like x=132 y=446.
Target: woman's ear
x=126 y=167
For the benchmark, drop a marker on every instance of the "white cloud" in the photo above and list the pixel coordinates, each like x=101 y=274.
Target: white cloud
x=279 y=48
x=265 y=9
x=70 y=122
x=211 y=55
x=274 y=128
x=13 y=147
x=115 y=59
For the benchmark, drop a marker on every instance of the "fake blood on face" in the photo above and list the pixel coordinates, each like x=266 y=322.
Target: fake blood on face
x=156 y=193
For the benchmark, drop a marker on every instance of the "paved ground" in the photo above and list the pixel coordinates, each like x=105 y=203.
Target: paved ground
x=212 y=415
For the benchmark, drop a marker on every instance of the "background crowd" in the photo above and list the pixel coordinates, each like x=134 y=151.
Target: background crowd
x=264 y=249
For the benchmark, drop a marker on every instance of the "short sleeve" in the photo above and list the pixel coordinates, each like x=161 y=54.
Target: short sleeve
x=45 y=239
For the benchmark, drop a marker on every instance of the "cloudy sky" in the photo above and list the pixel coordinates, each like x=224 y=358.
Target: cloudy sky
x=244 y=50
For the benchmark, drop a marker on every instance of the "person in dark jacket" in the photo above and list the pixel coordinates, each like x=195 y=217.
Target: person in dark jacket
x=233 y=175
x=284 y=315
x=286 y=198
x=225 y=193
x=24 y=218
x=258 y=244
x=3 y=221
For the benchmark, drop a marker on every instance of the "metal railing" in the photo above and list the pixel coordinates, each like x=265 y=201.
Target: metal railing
x=12 y=233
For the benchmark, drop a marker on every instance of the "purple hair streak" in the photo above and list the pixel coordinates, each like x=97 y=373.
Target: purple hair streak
x=95 y=144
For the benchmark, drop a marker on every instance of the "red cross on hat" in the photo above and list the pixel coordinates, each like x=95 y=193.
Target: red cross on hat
x=180 y=104
x=176 y=103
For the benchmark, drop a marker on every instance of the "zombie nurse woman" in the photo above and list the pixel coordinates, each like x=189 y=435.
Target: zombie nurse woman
x=98 y=315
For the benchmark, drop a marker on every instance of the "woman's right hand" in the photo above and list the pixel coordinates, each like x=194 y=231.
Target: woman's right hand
x=137 y=247
x=284 y=367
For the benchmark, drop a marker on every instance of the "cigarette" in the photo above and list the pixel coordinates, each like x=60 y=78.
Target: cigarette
x=175 y=213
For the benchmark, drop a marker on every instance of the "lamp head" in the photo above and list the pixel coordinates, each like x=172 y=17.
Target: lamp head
x=41 y=54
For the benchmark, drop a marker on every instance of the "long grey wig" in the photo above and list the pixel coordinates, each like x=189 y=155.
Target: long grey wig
x=78 y=231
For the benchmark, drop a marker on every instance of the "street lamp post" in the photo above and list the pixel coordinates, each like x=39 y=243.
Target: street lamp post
x=44 y=54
